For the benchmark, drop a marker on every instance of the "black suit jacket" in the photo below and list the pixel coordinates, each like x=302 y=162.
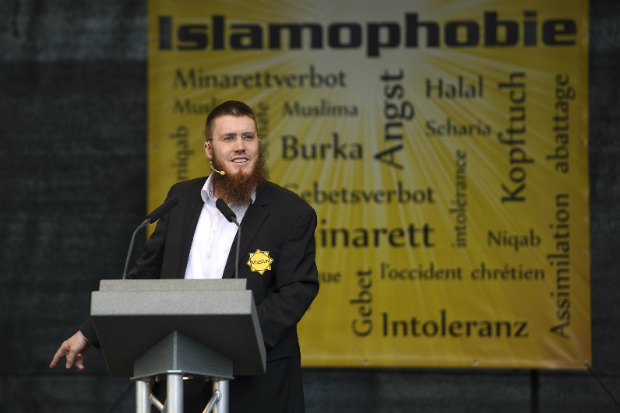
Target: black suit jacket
x=278 y=222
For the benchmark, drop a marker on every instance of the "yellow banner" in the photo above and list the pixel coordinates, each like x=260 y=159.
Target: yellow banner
x=443 y=145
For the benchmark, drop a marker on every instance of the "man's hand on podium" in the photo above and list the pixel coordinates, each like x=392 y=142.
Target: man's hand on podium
x=74 y=348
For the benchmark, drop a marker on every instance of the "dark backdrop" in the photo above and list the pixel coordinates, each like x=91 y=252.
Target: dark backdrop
x=73 y=187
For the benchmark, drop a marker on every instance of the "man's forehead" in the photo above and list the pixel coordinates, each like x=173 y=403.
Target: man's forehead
x=234 y=124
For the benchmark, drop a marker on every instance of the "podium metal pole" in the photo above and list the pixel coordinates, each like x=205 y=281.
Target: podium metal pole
x=143 y=396
x=174 y=392
x=223 y=386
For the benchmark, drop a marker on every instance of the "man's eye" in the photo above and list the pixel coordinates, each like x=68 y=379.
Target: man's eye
x=248 y=137
x=228 y=138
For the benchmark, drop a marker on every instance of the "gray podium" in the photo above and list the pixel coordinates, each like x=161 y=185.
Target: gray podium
x=153 y=330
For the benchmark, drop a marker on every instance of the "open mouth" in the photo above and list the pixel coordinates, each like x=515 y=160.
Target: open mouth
x=240 y=160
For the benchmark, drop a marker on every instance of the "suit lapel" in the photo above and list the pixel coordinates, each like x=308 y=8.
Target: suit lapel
x=252 y=221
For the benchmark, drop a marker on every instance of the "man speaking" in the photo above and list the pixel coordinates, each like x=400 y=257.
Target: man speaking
x=195 y=241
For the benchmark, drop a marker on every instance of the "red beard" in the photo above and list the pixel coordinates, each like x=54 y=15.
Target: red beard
x=236 y=190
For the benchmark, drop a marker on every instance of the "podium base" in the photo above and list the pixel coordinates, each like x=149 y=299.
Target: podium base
x=175 y=357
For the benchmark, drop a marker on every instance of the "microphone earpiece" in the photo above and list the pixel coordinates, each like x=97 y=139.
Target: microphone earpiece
x=215 y=170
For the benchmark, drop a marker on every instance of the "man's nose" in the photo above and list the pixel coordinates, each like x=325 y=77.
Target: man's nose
x=238 y=145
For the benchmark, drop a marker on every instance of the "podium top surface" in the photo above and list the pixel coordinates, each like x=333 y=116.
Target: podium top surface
x=228 y=284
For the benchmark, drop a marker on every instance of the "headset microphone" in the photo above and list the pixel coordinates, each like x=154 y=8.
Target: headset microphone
x=215 y=170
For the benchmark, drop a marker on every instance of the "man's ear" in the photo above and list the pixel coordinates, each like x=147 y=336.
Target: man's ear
x=208 y=150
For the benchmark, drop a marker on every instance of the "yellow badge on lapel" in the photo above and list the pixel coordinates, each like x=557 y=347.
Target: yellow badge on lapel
x=260 y=261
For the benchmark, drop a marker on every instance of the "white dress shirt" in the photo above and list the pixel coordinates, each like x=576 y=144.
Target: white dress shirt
x=213 y=237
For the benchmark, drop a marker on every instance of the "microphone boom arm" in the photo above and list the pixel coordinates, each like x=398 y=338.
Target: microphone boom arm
x=133 y=237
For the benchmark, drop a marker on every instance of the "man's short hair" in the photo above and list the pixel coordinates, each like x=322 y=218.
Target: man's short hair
x=231 y=108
